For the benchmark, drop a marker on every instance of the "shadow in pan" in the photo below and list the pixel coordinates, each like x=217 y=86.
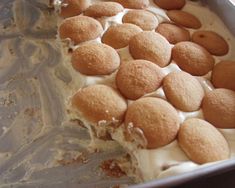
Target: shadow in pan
x=226 y=180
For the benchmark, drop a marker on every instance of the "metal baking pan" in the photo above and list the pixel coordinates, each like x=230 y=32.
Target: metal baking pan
x=32 y=139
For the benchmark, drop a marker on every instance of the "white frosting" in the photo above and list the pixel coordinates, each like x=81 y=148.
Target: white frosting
x=57 y=5
x=168 y=160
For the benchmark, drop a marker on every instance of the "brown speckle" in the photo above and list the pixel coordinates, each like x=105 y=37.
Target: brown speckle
x=201 y=36
x=111 y=168
x=29 y=111
x=78 y=122
x=70 y=50
x=11 y=51
x=80 y=159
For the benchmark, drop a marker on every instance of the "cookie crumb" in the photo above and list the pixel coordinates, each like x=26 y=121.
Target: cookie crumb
x=111 y=168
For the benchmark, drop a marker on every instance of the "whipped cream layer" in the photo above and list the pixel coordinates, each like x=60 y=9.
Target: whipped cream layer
x=170 y=159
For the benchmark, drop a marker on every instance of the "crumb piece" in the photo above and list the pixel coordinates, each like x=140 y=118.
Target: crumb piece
x=80 y=159
x=111 y=168
x=29 y=111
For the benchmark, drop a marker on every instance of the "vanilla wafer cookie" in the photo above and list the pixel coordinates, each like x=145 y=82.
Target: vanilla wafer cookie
x=80 y=29
x=223 y=75
x=173 y=33
x=183 y=91
x=95 y=59
x=99 y=103
x=192 y=58
x=134 y=4
x=151 y=46
x=101 y=9
x=118 y=36
x=218 y=108
x=144 y=19
x=71 y=8
x=138 y=77
x=184 y=19
x=202 y=142
x=155 y=118
x=170 y=4
x=213 y=42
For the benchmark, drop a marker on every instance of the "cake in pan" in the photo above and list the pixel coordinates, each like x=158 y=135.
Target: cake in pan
x=157 y=77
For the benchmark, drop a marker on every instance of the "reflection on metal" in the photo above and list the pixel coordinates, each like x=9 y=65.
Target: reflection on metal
x=38 y=146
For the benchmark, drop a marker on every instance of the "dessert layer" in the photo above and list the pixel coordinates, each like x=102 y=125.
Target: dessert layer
x=170 y=159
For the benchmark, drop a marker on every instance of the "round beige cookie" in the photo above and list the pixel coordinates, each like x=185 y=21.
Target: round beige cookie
x=156 y=118
x=95 y=59
x=134 y=4
x=202 y=142
x=213 y=42
x=170 y=4
x=80 y=29
x=173 y=33
x=138 y=77
x=192 y=58
x=99 y=103
x=118 y=36
x=73 y=7
x=183 y=91
x=218 y=108
x=101 y=9
x=144 y=19
x=223 y=75
x=151 y=46
x=184 y=19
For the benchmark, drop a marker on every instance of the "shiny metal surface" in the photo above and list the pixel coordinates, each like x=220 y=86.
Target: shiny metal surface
x=34 y=133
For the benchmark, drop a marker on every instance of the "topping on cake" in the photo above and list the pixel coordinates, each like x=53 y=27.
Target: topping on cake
x=134 y=4
x=184 y=19
x=173 y=33
x=95 y=59
x=219 y=108
x=202 y=142
x=170 y=4
x=71 y=8
x=99 y=103
x=192 y=58
x=138 y=77
x=223 y=75
x=151 y=46
x=144 y=19
x=183 y=91
x=101 y=9
x=80 y=29
x=213 y=42
x=118 y=36
x=157 y=119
